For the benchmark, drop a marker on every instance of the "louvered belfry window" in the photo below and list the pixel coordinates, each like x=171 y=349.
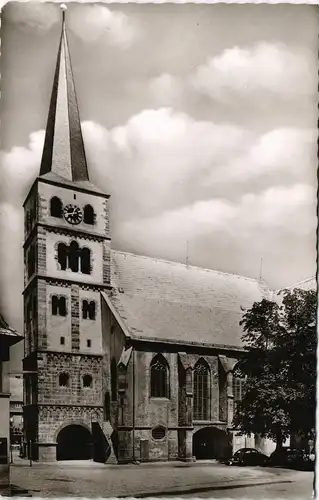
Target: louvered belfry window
x=201 y=391
x=159 y=377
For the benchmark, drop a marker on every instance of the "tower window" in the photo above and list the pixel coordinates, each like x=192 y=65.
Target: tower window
x=88 y=215
x=88 y=343
x=62 y=340
x=74 y=257
x=56 y=207
x=87 y=381
x=62 y=255
x=64 y=380
x=58 y=306
x=85 y=261
x=88 y=309
x=159 y=377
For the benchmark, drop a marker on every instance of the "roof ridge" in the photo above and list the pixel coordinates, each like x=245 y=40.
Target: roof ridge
x=158 y=259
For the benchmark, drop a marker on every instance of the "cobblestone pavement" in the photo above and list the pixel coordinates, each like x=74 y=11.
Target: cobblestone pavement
x=95 y=480
x=299 y=488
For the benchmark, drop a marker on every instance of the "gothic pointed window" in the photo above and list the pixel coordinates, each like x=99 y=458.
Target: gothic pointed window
x=88 y=214
x=238 y=387
x=62 y=256
x=201 y=391
x=74 y=257
x=85 y=261
x=56 y=207
x=159 y=377
x=114 y=379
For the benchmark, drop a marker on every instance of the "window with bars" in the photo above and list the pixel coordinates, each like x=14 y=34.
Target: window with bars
x=158 y=432
x=201 y=391
x=159 y=377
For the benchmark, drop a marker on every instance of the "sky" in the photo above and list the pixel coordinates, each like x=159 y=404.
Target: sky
x=199 y=120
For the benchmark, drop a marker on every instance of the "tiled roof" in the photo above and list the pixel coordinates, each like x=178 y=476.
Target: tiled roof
x=7 y=331
x=168 y=301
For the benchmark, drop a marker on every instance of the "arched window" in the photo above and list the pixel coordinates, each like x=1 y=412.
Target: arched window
x=88 y=309
x=64 y=379
x=88 y=215
x=201 y=391
x=114 y=379
x=85 y=261
x=238 y=387
x=62 y=255
x=159 y=377
x=87 y=381
x=56 y=207
x=74 y=257
x=58 y=306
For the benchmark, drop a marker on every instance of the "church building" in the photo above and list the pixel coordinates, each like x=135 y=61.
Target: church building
x=127 y=358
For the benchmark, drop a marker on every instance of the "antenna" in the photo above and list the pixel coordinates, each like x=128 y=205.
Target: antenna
x=261 y=268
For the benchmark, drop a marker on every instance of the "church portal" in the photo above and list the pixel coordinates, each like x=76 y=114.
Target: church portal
x=74 y=442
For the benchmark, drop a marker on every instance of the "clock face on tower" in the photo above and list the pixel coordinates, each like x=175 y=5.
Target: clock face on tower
x=72 y=214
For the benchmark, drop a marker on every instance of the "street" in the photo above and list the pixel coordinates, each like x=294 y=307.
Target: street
x=299 y=489
x=200 y=479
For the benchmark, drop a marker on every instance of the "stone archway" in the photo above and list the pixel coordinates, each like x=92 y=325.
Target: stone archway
x=211 y=443
x=74 y=442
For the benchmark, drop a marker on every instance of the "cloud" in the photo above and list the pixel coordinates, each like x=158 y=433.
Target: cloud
x=246 y=71
x=288 y=209
x=19 y=168
x=98 y=21
x=258 y=74
x=173 y=179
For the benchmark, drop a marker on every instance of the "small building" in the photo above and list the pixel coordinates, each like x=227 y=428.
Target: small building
x=8 y=337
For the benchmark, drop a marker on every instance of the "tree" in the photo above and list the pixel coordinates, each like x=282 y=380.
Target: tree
x=279 y=366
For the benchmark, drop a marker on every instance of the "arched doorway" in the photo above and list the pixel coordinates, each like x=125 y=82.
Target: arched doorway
x=74 y=442
x=211 y=442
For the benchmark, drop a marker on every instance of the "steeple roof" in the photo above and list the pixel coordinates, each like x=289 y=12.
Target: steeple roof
x=63 y=152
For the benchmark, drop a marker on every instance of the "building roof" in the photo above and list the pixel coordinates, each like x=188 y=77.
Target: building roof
x=63 y=151
x=169 y=301
x=307 y=284
x=57 y=179
x=11 y=335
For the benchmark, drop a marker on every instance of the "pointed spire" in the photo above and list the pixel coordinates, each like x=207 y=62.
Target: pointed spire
x=63 y=152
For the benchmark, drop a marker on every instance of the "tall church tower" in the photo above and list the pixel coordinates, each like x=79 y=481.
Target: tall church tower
x=67 y=265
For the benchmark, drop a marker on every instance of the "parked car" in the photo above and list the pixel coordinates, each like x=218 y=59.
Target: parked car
x=296 y=458
x=248 y=456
